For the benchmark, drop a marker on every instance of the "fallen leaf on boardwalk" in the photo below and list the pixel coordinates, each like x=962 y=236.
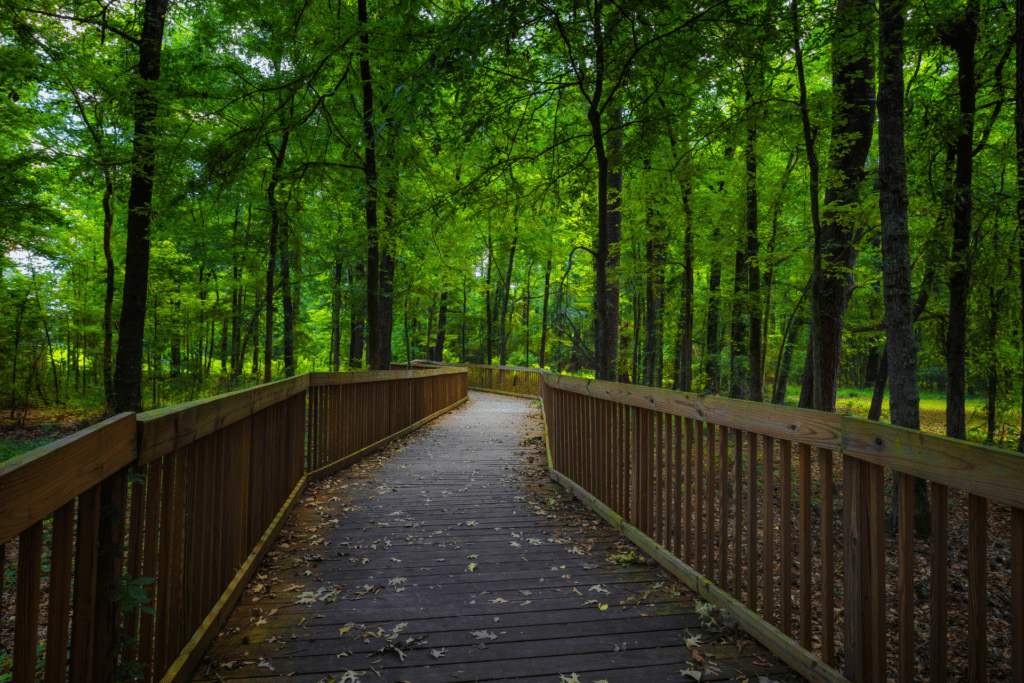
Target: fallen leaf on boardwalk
x=472 y=557
x=351 y=676
x=472 y=566
x=499 y=600
x=599 y=588
x=482 y=635
x=602 y=607
x=695 y=675
x=397 y=581
x=514 y=544
x=526 y=592
x=471 y=523
x=294 y=586
x=571 y=678
x=437 y=654
x=525 y=602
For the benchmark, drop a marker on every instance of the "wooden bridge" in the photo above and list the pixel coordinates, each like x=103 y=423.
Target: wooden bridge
x=136 y=539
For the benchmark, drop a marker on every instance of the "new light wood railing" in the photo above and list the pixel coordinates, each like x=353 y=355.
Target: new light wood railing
x=717 y=489
x=172 y=511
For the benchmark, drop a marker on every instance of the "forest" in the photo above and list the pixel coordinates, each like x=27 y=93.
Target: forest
x=815 y=202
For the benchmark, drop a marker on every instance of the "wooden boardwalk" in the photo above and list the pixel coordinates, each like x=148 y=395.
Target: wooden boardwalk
x=453 y=560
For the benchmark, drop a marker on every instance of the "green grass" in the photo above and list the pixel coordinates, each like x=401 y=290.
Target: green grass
x=11 y=448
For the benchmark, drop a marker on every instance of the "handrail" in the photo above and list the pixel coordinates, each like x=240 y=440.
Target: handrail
x=692 y=480
x=499 y=379
x=195 y=494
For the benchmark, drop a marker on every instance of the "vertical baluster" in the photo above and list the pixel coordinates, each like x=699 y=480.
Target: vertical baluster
x=660 y=508
x=828 y=572
x=149 y=565
x=768 y=516
x=688 y=525
x=26 y=610
x=709 y=504
x=977 y=588
x=58 y=611
x=677 y=487
x=699 y=518
x=805 y=546
x=723 y=508
x=864 y=570
x=1016 y=595
x=785 y=536
x=751 y=522
x=737 y=513
x=86 y=551
x=939 y=583
x=905 y=579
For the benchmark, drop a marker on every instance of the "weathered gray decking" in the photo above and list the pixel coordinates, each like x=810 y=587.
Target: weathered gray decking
x=380 y=555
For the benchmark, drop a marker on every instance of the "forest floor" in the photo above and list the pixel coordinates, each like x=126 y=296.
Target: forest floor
x=38 y=427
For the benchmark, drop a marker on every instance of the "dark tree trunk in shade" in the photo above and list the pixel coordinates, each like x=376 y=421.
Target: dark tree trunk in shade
x=386 y=308
x=1018 y=121
x=962 y=39
x=373 y=238
x=442 y=326
x=108 y=297
x=807 y=392
x=507 y=286
x=487 y=302
x=684 y=362
x=462 y=326
x=852 y=123
x=287 y=309
x=713 y=350
x=901 y=347
x=738 y=328
x=786 y=359
x=993 y=367
x=755 y=371
x=336 y=296
x=357 y=317
x=544 y=317
x=654 y=293
x=128 y=363
x=274 y=209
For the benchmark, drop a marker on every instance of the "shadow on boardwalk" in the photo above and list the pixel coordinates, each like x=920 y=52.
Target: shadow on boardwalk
x=451 y=557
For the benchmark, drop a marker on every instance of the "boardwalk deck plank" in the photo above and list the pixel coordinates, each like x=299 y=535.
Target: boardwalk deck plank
x=404 y=531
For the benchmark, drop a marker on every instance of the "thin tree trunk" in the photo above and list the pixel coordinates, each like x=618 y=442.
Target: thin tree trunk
x=108 y=296
x=373 y=329
x=901 y=347
x=755 y=371
x=993 y=368
x=853 y=121
x=357 y=319
x=738 y=328
x=962 y=39
x=503 y=346
x=287 y=310
x=544 y=318
x=386 y=290
x=275 y=231
x=131 y=331
x=442 y=326
x=1018 y=121
x=807 y=398
x=487 y=301
x=336 y=317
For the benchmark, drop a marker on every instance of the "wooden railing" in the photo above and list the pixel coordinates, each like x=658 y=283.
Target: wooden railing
x=153 y=523
x=719 y=490
x=502 y=379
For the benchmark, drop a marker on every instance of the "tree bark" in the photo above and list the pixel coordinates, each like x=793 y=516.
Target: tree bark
x=373 y=294
x=1018 y=122
x=108 y=297
x=503 y=341
x=274 y=210
x=544 y=317
x=357 y=319
x=128 y=364
x=442 y=326
x=962 y=39
x=336 y=317
x=755 y=390
x=852 y=127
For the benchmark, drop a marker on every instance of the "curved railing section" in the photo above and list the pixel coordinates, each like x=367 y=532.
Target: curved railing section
x=778 y=515
x=154 y=523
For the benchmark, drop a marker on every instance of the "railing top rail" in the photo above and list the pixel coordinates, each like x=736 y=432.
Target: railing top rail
x=986 y=471
x=39 y=482
x=476 y=365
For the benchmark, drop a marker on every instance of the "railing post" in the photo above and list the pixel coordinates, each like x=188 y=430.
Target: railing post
x=864 y=575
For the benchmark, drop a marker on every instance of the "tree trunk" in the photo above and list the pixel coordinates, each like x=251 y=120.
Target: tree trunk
x=993 y=368
x=1018 y=121
x=962 y=39
x=503 y=346
x=336 y=316
x=442 y=324
x=131 y=331
x=108 y=297
x=386 y=289
x=373 y=279
x=807 y=384
x=755 y=371
x=287 y=310
x=544 y=318
x=738 y=328
x=357 y=319
x=487 y=301
x=274 y=210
